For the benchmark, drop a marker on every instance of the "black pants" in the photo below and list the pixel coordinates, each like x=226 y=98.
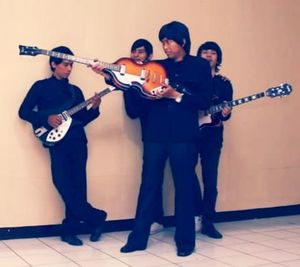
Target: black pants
x=183 y=158
x=209 y=148
x=68 y=166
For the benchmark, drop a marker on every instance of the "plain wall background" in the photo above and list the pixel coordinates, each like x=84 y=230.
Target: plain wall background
x=260 y=41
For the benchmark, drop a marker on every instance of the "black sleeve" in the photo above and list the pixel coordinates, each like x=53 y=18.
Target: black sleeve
x=193 y=78
x=226 y=94
x=135 y=105
x=29 y=108
x=85 y=116
x=201 y=90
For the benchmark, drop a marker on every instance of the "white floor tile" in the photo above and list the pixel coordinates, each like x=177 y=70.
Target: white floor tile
x=5 y=252
x=49 y=258
x=122 y=236
x=13 y=262
x=86 y=255
x=250 y=247
x=295 y=239
x=269 y=242
x=277 y=256
x=218 y=252
x=255 y=237
x=243 y=261
x=272 y=265
x=279 y=243
x=294 y=250
x=102 y=263
x=284 y=234
x=203 y=263
x=145 y=260
x=292 y=263
x=225 y=241
x=172 y=257
x=296 y=229
x=58 y=265
x=156 y=246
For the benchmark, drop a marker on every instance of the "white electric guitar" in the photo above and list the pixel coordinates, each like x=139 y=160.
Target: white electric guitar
x=206 y=118
x=50 y=136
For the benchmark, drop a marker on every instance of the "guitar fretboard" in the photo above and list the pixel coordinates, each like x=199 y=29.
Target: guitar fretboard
x=84 y=61
x=236 y=102
x=84 y=104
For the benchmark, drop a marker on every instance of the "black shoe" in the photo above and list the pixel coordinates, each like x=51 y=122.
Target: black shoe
x=129 y=248
x=209 y=230
x=72 y=240
x=96 y=234
x=183 y=252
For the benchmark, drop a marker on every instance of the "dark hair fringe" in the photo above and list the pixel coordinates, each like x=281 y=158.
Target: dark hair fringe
x=145 y=43
x=211 y=45
x=177 y=32
x=60 y=49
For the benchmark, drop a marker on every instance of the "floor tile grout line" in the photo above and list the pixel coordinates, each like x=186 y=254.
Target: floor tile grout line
x=17 y=254
x=58 y=252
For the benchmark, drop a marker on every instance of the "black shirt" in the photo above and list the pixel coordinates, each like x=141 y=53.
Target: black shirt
x=165 y=119
x=52 y=96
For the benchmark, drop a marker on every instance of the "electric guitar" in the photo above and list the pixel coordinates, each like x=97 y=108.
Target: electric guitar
x=124 y=73
x=50 y=136
x=206 y=118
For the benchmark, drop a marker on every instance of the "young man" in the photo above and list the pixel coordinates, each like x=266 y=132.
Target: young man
x=170 y=130
x=141 y=52
x=41 y=107
x=211 y=139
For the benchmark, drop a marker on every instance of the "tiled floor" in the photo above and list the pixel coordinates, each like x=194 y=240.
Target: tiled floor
x=263 y=242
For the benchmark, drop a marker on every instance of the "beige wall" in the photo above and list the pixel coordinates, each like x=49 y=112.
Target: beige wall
x=260 y=40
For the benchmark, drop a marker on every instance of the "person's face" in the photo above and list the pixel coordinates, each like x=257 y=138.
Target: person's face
x=140 y=55
x=211 y=56
x=63 y=69
x=172 y=49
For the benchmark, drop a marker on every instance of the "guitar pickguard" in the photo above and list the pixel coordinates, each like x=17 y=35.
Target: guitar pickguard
x=206 y=120
x=50 y=137
x=59 y=132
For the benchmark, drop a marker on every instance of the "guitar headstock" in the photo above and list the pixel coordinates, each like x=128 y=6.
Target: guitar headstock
x=29 y=50
x=281 y=90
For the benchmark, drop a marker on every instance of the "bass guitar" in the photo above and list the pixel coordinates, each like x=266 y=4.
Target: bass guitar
x=50 y=136
x=206 y=118
x=124 y=73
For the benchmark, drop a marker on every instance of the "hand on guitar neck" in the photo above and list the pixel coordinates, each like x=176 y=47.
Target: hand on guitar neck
x=226 y=110
x=55 y=120
x=98 y=68
x=95 y=101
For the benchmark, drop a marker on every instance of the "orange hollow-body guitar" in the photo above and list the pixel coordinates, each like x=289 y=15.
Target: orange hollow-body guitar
x=124 y=73
x=147 y=78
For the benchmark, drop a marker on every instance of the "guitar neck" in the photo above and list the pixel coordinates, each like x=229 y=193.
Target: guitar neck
x=236 y=102
x=84 y=104
x=84 y=61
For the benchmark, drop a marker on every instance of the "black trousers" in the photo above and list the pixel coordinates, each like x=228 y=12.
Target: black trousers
x=209 y=148
x=68 y=166
x=183 y=158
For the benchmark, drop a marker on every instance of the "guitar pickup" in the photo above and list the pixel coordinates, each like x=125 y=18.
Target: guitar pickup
x=143 y=75
x=123 y=70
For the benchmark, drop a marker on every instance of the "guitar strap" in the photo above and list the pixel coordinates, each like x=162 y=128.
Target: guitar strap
x=72 y=91
x=72 y=101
